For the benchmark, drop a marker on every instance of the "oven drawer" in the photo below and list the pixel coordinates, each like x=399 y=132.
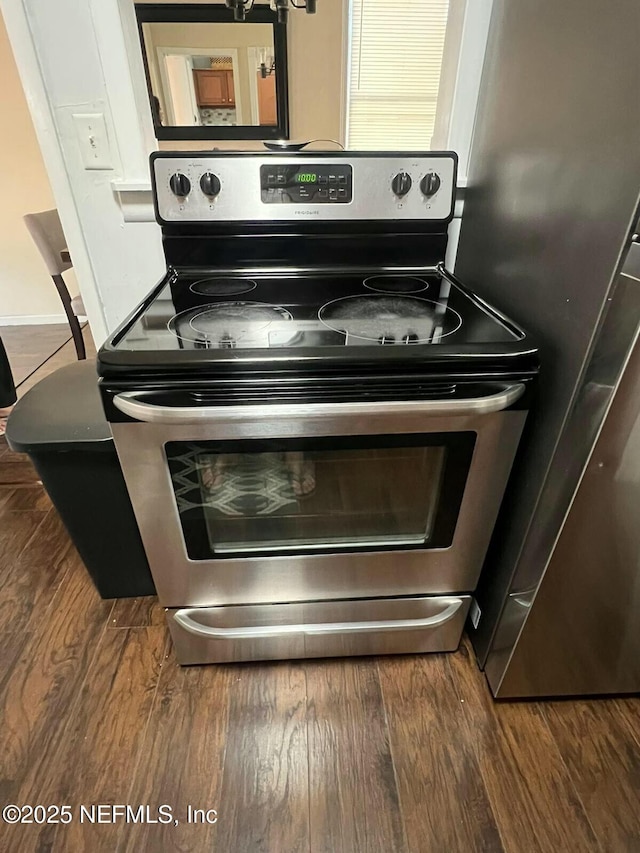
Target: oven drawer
x=380 y=626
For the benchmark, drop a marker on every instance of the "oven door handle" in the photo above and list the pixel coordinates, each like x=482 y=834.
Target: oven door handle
x=136 y=405
x=262 y=632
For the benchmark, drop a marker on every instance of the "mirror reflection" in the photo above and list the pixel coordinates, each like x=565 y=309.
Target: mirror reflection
x=210 y=77
x=211 y=74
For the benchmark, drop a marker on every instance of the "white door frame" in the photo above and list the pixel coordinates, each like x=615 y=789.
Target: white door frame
x=252 y=62
x=165 y=59
x=30 y=72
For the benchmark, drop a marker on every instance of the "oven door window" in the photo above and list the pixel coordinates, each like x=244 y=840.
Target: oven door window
x=322 y=496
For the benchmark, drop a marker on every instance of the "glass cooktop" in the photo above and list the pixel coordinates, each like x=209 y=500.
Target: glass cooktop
x=205 y=310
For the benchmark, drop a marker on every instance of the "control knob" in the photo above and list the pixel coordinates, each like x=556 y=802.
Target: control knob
x=430 y=184
x=401 y=184
x=180 y=185
x=210 y=184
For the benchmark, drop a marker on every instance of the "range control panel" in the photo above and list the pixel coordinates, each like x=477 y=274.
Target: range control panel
x=248 y=187
x=312 y=183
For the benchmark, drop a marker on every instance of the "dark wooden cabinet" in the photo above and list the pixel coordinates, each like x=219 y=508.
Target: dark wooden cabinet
x=214 y=87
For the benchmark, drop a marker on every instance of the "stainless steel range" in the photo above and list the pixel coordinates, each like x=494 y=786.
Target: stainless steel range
x=316 y=421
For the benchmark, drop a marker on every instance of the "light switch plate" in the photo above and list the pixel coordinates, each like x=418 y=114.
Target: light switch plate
x=91 y=130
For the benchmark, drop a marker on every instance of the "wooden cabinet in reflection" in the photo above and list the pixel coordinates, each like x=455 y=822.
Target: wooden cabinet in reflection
x=214 y=87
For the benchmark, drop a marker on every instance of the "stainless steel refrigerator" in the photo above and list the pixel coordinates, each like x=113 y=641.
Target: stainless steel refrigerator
x=547 y=231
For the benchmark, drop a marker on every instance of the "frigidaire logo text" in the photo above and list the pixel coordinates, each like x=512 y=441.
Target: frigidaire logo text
x=314 y=212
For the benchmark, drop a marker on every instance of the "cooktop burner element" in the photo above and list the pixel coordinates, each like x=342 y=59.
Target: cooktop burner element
x=227 y=323
x=390 y=319
x=221 y=286
x=395 y=283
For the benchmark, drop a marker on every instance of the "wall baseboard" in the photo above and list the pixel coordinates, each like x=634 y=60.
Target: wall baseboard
x=31 y=319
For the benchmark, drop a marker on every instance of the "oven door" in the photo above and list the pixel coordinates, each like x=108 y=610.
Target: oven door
x=273 y=503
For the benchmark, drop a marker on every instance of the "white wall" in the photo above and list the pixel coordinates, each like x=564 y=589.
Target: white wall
x=72 y=58
x=27 y=293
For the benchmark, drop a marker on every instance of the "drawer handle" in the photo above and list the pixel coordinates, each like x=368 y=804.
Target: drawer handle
x=185 y=620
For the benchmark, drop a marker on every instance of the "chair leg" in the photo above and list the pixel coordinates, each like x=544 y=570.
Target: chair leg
x=74 y=324
x=78 y=340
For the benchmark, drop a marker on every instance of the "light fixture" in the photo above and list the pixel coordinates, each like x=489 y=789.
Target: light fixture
x=243 y=7
x=282 y=8
x=267 y=63
x=267 y=71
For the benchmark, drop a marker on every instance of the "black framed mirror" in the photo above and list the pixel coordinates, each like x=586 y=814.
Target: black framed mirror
x=210 y=77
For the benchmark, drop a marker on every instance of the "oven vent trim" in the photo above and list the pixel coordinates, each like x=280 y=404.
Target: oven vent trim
x=258 y=394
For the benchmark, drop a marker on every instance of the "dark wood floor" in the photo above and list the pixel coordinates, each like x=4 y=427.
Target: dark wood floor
x=393 y=754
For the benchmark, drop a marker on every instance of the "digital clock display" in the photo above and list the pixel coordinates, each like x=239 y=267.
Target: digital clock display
x=306 y=183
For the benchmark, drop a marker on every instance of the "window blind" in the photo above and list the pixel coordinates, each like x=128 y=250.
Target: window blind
x=395 y=62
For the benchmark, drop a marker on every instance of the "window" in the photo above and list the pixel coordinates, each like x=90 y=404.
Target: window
x=396 y=57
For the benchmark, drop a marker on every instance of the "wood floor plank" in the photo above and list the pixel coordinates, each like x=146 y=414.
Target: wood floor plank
x=182 y=758
x=596 y=740
x=39 y=690
x=444 y=802
x=30 y=581
x=626 y=710
x=6 y=494
x=353 y=795
x=137 y=612
x=24 y=497
x=16 y=469
x=17 y=528
x=11 y=645
x=264 y=801
x=96 y=760
x=535 y=803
